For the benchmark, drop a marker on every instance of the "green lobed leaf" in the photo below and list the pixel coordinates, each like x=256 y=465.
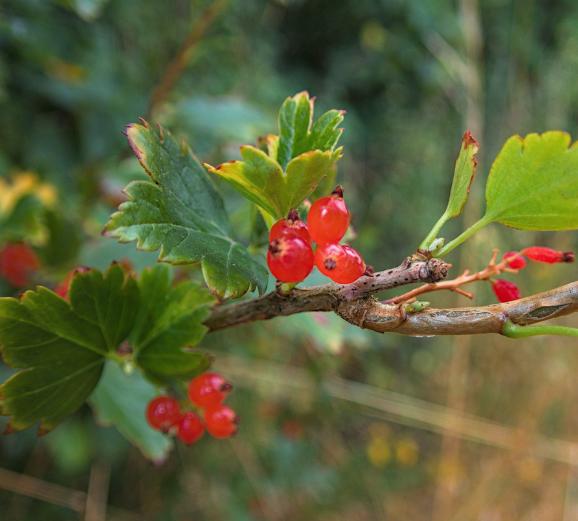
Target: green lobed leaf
x=533 y=183
x=121 y=399
x=169 y=323
x=180 y=213
x=60 y=347
x=297 y=132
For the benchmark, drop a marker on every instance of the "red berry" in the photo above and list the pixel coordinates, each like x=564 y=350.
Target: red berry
x=515 y=260
x=290 y=258
x=17 y=262
x=63 y=287
x=328 y=218
x=505 y=290
x=208 y=390
x=290 y=226
x=548 y=255
x=221 y=421
x=190 y=429
x=339 y=262
x=163 y=412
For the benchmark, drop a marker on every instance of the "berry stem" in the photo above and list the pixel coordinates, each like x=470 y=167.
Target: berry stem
x=512 y=330
x=464 y=236
x=433 y=234
x=492 y=269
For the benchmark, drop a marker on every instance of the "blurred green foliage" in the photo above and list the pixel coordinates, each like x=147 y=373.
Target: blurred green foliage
x=74 y=73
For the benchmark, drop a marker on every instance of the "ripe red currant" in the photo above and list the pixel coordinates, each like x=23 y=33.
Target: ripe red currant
x=163 y=412
x=505 y=290
x=515 y=259
x=339 y=262
x=190 y=429
x=63 y=287
x=208 y=390
x=548 y=255
x=290 y=258
x=290 y=226
x=221 y=421
x=17 y=262
x=328 y=218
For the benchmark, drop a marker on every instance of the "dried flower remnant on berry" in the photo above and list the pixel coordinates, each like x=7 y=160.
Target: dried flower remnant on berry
x=292 y=225
x=548 y=255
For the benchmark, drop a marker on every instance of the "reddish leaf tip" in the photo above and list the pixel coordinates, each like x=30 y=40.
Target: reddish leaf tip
x=469 y=140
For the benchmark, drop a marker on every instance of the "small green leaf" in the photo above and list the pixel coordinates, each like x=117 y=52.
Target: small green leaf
x=297 y=132
x=464 y=172
x=121 y=399
x=60 y=347
x=169 y=324
x=287 y=168
x=533 y=183
x=181 y=214
x=295 y=118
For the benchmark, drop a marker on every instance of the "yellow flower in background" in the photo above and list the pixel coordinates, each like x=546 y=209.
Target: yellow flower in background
x=22 y=184
x=378 y=452
x=406 y=452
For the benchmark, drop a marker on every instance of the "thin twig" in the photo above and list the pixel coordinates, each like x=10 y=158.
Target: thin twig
x=176 y=67
x=32 y=487
x=97 y=496
x=491 y=270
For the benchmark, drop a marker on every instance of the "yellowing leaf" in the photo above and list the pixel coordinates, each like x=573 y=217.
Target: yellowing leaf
x=289 y=167
x=261 y=180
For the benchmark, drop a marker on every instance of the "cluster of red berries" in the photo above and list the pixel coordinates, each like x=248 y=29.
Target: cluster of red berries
x=18 y=262
x=291 y=257
x=206 y=393
x=507 y=291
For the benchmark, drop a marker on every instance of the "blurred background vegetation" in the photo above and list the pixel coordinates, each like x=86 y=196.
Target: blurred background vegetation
x=337 y=424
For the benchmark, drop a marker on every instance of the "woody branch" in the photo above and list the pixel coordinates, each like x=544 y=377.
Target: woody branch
x=356 y=303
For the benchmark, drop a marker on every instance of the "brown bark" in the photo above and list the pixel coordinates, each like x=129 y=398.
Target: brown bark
x=356 y=304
